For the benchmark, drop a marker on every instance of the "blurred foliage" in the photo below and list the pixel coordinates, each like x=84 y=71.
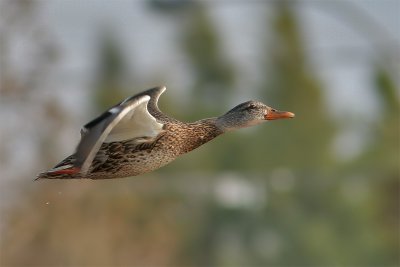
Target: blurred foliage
x=304 y=143
x=286 y=201
x=387 y=152
x=213 y=75
x=20 y=83
x=111 y=71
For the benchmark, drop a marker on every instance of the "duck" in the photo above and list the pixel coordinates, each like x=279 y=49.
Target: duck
x=134 y=137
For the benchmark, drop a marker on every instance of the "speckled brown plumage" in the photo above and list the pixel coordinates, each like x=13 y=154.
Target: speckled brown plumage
x=128 y=158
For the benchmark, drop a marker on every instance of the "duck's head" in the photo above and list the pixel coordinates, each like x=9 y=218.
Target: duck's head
x=248 y=114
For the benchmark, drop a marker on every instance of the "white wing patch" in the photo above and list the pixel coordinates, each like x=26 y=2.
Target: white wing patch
x=136 y=123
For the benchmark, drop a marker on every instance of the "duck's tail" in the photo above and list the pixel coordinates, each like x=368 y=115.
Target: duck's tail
x=62 y=172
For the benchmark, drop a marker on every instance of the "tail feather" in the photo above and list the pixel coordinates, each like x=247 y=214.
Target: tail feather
x=62 y=172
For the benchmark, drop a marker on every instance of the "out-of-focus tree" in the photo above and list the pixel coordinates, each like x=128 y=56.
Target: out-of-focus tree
x=170 y=5
x=28 y=55
x=326 y=196
x=20 y=23
x=386 y=154
x=110 y=73
x=213 y=75
x=380 y=163
x=291 y=83
x=382 y=149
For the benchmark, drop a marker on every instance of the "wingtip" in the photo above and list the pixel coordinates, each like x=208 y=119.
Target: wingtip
x=159 y=89
x=162 y=89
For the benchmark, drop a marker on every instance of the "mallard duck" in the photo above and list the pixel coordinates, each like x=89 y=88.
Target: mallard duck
x=135 y=137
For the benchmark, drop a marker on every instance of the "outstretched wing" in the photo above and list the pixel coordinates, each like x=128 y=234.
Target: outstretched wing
x=128 y=120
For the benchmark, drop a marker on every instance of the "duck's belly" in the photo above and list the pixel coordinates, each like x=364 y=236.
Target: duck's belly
x=132 y=165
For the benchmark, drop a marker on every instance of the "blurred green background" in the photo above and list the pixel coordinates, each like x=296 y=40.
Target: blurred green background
x=319 y=190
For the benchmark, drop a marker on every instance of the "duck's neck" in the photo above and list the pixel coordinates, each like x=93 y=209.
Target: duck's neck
x=200 y=132
x=215 y=123
x=226 y=123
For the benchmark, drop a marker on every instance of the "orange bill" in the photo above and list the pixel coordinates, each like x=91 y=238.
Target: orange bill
x=276 y=114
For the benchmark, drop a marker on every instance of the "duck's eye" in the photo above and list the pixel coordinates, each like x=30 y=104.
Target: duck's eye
x=273 y=110
x=251 y=106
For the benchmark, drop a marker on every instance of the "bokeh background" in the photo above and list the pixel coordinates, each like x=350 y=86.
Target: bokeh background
x=319 y=190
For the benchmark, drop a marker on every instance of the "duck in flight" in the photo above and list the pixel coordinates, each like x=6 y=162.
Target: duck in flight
x=135 y=137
